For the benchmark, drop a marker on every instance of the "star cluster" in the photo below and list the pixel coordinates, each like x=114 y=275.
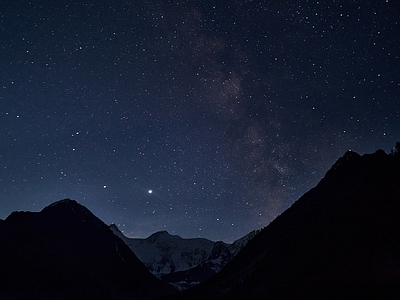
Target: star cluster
x=197 y=117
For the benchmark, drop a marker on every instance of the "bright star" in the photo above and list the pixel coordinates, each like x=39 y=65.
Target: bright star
x=150 y=191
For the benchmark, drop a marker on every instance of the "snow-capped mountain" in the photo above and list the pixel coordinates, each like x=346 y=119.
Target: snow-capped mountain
x=185 y=261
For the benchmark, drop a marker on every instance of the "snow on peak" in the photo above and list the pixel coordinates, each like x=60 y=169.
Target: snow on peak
x=163 y=253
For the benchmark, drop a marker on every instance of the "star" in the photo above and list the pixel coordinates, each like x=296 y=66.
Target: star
x=219 y=118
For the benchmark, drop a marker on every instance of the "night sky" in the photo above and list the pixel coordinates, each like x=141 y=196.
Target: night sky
x=202 y=118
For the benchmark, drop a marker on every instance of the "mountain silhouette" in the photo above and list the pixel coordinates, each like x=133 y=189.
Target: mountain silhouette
x=340 y=240
x=65 y=252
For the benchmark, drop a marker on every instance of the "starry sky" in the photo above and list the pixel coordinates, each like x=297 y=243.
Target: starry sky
x=202 y=118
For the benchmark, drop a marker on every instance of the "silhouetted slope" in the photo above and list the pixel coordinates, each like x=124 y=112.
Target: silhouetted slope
x=65 y=252
x=340 y=240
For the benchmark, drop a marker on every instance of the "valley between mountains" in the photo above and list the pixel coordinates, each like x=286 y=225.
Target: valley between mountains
x=340 y=240
x=181 y=262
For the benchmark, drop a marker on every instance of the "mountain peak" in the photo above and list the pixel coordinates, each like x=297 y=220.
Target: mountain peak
x=163 y=236
x=352 y=162
x=68 y=211
x=347 y=157
x=72 y=204
x=66 y=252
x=162 y=232
x=62 y=209
x=182 y=262
x=67 y=205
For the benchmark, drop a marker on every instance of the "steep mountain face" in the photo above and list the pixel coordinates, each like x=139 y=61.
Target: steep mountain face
x=182 y=262
x=341 y=240
x=65 y=252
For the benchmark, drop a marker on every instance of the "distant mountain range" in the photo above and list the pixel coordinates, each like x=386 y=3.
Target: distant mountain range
x=340 y=240
x=183 y=262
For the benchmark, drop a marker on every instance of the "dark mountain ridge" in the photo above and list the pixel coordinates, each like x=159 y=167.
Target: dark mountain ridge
x=340 y=240
x=65 y=252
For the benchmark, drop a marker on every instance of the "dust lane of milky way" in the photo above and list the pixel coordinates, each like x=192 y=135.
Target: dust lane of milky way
x=196 y=117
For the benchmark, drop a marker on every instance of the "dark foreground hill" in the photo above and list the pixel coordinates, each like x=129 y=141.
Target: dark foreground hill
x=65 y=252
x=341 y=240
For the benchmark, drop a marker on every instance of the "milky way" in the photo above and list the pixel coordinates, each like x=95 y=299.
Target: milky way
x=195 y=117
